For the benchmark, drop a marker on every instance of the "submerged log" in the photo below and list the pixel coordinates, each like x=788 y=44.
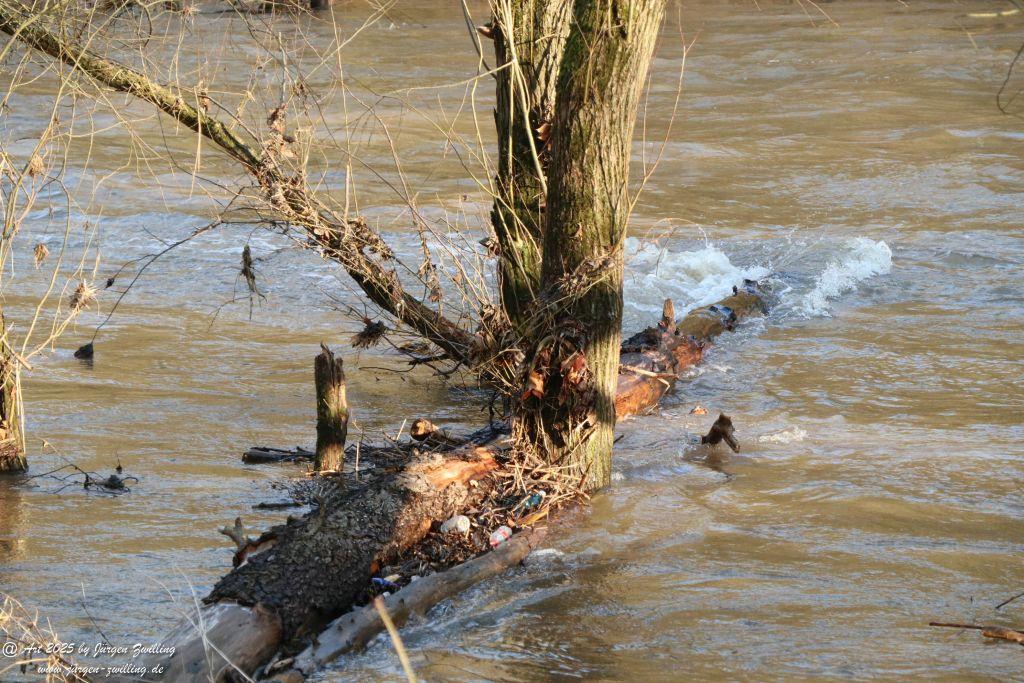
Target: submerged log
x=310 y=570
x=331 y=412
x=259 y=455
x=351 y=632
x=652 y=361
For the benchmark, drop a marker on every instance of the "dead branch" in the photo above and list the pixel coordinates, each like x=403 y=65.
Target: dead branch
x=998 y=632
x=338 y=240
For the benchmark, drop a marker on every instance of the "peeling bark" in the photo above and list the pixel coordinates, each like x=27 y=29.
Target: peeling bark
x=652 y=361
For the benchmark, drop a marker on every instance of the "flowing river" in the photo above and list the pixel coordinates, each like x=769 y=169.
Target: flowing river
x=860 y=163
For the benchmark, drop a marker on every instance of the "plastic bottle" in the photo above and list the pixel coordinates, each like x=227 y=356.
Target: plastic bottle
x=500 y=535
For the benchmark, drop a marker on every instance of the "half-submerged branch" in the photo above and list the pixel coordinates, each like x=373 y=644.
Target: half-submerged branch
x=652 y=361
x=351 y=632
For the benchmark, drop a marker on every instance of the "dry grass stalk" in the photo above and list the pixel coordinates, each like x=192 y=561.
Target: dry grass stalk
x=39 y=650
x=396 y=640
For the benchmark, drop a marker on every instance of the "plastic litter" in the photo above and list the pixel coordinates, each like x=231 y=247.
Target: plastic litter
x=500 y=535
x=530 y=502
x=457 y=524
x=384 y=585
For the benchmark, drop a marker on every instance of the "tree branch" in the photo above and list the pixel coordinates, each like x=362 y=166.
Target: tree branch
x=339 y=240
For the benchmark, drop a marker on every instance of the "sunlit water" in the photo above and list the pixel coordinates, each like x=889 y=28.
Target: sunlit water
x=863 y=167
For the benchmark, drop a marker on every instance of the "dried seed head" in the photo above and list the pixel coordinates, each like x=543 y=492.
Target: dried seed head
x=370 y=335
x=35 y=166
x=41 y=252
x=82 y=297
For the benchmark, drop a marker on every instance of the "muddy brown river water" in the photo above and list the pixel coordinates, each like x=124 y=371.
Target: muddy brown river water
x=862 y=164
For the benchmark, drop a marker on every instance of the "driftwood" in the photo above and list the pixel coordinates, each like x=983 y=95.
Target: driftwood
x=331 y=412
x=651 y=361
x=997 y=632
x=351 y=632
x=259 y=455
x=722 y=430
x=427 y=432
x=310 y=570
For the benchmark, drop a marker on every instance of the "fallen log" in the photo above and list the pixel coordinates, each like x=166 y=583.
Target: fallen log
x=651 y=361
x=260 y=455
x=352 y=631
x=310 y=570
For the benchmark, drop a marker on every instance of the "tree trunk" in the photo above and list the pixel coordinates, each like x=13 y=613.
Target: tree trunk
x=12 y=442
x=331 y=412
x=603 y=69
x=529 y=35
x=651 y=361
x=296 y=577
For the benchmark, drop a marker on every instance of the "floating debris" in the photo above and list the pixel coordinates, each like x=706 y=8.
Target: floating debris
x=84 y=352
x=722 y=430
x=457 y=524
x=500 y=535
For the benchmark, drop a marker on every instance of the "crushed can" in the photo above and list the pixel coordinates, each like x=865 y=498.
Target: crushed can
x=500 y=535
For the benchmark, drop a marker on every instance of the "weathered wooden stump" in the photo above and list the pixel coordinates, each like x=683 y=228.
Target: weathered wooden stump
x=331 y=412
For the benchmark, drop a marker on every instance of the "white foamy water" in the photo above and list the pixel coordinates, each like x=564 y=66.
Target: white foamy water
x=793 y=435
x=703 y=276
x=690 y=278
x=863 y=258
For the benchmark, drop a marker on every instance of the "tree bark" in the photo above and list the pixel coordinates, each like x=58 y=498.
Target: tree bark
x=529 y=37
x=331 y=412
x=606 y=58
x=12 y=442
x=651 y=361
x=300 y=575
x=351 y=632
x=318 y=566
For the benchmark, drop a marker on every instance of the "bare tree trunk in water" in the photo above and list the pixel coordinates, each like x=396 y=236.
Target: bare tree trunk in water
x=12 y=445
x=529 y=36
x=569 y=393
